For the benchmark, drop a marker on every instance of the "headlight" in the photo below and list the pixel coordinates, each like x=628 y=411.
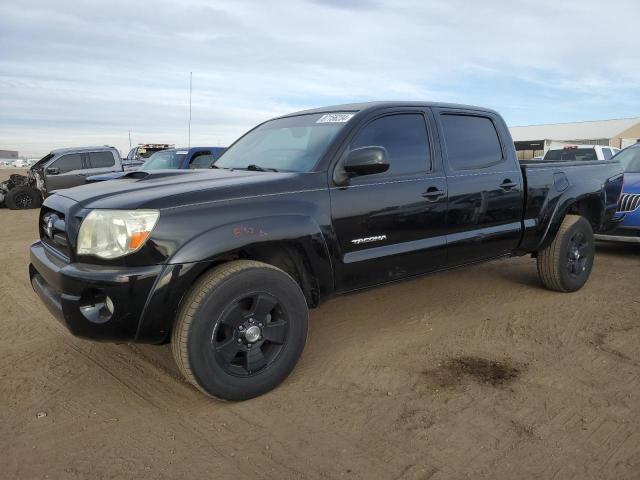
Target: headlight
x=115 y=233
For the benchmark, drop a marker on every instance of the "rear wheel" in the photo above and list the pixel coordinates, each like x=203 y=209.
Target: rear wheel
x=565 y=265
x=241 y=330
x=22 y=197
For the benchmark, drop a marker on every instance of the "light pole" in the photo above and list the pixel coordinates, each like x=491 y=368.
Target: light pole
x=190 y=90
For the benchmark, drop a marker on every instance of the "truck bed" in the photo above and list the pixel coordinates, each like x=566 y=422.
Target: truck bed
x=551 y=186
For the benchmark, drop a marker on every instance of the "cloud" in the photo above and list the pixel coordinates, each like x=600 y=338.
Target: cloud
x=88 y=72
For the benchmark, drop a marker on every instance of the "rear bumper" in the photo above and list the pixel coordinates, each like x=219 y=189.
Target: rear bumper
x=96 y=302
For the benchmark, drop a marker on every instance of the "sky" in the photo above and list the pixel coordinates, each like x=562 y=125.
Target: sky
x=89 y=72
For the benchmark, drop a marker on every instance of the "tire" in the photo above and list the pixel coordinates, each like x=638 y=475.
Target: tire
x=230 y=307
x=22 y=198
x=565 y=265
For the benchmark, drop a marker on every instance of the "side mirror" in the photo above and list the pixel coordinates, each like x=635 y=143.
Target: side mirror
x=53 y=171
x=366 y=161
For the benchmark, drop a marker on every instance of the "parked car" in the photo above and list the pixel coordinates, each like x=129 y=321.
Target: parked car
x=145 y=150
x=171 y=159
x=628 y=216
x=580 y=152
x=224 y=262
x=59 y=169
x=20 y=164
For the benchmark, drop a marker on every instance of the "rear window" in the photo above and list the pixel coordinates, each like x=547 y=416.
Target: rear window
x=472 y=142
x=571 y=154
x=101 y=159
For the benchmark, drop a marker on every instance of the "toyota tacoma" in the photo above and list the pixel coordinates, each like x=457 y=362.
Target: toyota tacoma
x=224 y=263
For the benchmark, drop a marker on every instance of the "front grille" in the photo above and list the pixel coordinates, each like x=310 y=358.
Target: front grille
x=53 y=232
x=629 y=202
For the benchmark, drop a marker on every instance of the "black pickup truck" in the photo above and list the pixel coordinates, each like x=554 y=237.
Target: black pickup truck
x=224 y=263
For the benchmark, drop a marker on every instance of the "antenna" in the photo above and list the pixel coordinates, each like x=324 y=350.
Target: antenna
x=190 y=91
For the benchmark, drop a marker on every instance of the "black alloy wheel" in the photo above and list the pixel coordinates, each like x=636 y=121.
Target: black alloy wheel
x=577 y=254
x=23 y=200
x=250 y=335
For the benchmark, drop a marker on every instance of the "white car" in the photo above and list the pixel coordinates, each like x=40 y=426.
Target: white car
x=580 y=152
x=20 y=164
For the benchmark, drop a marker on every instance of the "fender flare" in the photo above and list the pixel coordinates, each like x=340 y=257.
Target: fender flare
x=562 y=208
x=299 y=230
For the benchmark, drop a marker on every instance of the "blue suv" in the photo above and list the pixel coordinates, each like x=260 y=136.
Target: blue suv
x=628 y=230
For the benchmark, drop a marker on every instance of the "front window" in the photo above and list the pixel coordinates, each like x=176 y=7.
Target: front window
x=293 y=144
x=165 y=159
x=630 y=159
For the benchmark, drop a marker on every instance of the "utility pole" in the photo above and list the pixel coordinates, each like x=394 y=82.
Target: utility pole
x=190 y=91
x=129 y=140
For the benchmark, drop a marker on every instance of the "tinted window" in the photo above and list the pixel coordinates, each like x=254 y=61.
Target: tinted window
x=201 y=160
x=571 y=154
x=66 y=163
x=472 y=142
x=405 y=139
x=101 y=159
x=607 y=153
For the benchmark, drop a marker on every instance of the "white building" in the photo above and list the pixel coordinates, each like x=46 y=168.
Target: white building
x=533 y=140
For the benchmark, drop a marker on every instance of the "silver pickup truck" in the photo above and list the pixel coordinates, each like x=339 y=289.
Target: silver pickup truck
x=59 y=169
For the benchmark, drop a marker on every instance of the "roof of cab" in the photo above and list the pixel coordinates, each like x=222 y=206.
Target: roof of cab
x=82 y=149
x=370 y=106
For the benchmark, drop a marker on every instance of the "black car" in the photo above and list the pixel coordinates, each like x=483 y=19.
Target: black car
x=224 y=263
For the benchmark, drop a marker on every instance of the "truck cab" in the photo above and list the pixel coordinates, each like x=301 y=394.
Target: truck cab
x=143 y=151
x=59 y=169
x=572 y=153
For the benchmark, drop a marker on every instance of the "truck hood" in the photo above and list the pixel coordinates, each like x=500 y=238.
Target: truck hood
x=631 y=183
x=173 y=188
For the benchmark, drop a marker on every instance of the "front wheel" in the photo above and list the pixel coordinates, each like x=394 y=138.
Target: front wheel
x=565 y=265
x=22 y=197
x=240 y=330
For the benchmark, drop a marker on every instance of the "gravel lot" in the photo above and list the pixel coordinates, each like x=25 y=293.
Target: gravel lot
x=475 y=373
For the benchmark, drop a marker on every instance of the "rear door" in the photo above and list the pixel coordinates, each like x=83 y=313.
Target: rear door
x=485 y=186
x=391 y=225
x=101 y=162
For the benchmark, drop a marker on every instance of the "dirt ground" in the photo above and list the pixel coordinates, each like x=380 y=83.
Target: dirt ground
x=475 y=373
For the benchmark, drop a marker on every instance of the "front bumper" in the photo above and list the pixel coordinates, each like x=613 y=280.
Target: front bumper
x=76 y=294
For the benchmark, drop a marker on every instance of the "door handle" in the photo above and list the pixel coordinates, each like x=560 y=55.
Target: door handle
x=507 y=184
x=433 y=193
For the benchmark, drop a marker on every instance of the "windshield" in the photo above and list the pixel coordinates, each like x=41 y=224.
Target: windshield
x=165 y=159
x=630 y=159
x=571 y=154
x=293 y=144
x=148 y=152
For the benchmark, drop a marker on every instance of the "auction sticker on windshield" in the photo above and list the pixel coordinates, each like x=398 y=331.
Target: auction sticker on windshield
x=335 y=118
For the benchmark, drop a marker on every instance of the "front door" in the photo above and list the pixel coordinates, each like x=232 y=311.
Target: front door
x=65 y=172
x=391 y=225
x=485 y=190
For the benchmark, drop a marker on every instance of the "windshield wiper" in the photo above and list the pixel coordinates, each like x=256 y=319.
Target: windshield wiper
x=256 y=168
